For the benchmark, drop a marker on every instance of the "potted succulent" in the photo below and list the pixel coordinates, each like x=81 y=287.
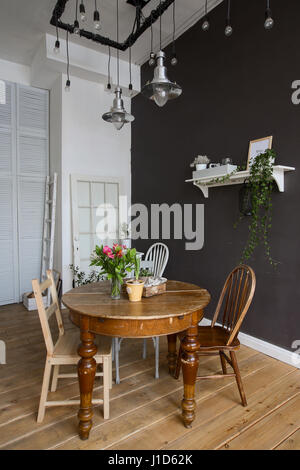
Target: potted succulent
x=135 y=286
x=116 y=263
x=200 y=162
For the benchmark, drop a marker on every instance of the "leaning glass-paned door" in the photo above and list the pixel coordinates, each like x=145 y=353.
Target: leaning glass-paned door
x=95 y=214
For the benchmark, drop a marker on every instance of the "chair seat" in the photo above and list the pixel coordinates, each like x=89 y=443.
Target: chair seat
x=67 y=345
x=215 y=338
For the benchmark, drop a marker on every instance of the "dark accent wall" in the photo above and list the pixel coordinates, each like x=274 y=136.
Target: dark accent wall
x=234 y=90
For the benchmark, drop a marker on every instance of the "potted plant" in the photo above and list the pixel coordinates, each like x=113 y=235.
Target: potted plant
x=115 y=262
x=200 y=162
x=258 y=204
x=135 y=286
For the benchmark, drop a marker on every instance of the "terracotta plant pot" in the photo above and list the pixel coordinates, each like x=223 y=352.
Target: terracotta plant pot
x=134 y=290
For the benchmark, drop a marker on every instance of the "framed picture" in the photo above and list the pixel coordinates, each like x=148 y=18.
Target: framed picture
x=258 y=146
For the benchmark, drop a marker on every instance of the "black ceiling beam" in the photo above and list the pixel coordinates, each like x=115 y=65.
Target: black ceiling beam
x=132 y=38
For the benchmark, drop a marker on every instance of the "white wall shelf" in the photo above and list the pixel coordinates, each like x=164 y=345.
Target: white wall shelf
x=206 y=182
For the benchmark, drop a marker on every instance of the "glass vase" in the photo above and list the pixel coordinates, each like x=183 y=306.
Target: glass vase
x=115 y=288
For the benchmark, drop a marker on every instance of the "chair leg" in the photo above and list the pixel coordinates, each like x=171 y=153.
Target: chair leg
x=156 y=342
x=238 y=377
x=178 y=364
x=55 y=378
x=44 y=393
x=223 y=363
x=117 y=360
x=106 y=385
x=144 y=348
x=110 y=372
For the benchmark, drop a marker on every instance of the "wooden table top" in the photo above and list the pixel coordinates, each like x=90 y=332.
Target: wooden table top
x=94 y=300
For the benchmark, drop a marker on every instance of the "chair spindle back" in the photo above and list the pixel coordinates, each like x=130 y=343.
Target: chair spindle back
x=159 y=254
x=46 y=313
x=235 y=299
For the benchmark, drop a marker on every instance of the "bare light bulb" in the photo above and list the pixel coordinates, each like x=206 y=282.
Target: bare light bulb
x=97 y=20
x=82 y=12
x=269 y=22
x=118 y=125
x=68 y=86
x=205 y=25
x=228 y=30
x=56 y=49
x=152 y=59
x=174 y=60
x=76 y=29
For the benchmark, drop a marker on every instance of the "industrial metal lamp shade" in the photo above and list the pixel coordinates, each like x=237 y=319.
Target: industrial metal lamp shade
x=161 y=89
x=118 y=115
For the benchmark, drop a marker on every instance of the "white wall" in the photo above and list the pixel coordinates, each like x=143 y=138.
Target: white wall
x=90 y=146
x=13 y=72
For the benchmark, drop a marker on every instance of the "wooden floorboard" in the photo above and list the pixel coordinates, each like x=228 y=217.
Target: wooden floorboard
x=145 y=413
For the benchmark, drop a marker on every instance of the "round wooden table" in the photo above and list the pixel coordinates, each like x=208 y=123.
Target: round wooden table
x=179 y=309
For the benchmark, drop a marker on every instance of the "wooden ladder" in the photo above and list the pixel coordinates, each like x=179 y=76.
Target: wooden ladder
x=49 y=227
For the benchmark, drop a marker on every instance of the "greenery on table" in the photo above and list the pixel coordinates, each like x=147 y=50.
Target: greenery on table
x=81 y=278
x=145 y=272
x=261 y=184
x=115 y=262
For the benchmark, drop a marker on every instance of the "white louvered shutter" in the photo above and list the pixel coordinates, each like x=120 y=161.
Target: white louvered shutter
x=8 y=200
x=32 y=168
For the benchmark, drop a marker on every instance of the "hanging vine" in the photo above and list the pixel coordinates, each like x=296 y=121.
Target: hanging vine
x=261 y=185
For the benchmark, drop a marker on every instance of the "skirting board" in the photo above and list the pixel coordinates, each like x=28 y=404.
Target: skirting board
x=283 y=355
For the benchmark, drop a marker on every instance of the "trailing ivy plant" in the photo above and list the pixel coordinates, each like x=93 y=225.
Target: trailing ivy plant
x=261 y=186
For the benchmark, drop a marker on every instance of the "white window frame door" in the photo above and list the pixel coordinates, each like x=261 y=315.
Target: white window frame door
x=75 y=179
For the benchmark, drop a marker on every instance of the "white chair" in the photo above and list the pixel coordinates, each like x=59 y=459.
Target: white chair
x=159 y=254
x=156 y=260
x=64 y=352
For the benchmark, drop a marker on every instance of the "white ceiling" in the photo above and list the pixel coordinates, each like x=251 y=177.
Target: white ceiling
x=23 y=23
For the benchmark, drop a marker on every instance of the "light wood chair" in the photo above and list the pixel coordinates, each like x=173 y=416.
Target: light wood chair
x=234 y=302
x=64 y=352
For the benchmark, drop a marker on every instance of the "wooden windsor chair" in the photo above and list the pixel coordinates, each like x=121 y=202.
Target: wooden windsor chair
x=234 y=302
x=64 y=351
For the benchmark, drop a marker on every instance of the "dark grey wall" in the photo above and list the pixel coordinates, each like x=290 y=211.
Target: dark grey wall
x=234 y=90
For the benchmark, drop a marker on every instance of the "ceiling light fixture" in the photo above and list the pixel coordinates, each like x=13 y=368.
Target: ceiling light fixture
x=57 y=43
x=76 y=29
x=82 y=12
x=228 y=28
x=205 y=24
x=118 y=115
x=161 y=89
x=269 y=22
x=174 y=60
x=96 y=18
x=68 y=82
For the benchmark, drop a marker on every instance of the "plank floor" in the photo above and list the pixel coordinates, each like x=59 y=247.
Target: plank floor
x=145 y=413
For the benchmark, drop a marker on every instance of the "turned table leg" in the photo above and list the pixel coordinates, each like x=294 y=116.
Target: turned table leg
x=86 y=374
x=190 y=362
x=172 y=356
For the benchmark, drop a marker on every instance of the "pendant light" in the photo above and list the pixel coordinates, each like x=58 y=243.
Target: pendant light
x=56 y=48
x=68 y=82
x=269 y=22
x=205 y=24
x=82 y=12
x=228 y=28
x=76 y=29
x=161 y=89
x=118 y=115
x=96 y=18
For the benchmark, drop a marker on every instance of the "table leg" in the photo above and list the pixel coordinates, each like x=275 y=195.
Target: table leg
x=172 y=356
x=86 y=374
x=190 y=361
